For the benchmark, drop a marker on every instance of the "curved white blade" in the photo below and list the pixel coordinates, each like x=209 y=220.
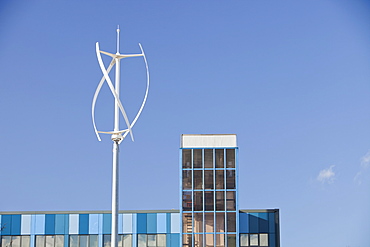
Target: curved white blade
x=96 y=96
x=146 y=91
x=112 y=89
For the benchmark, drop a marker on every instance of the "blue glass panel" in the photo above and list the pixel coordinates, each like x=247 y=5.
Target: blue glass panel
x=107 y=222
x=168 y=240
x=253 y=222
x=66 y=224
x=59 y=224
x=93 y=223
x=272 y=242
x=271 y=222
x=50 y=224
x=83 y=227
x=6 y=223
x=151 y=223
x=243 y=223
x=40 y=224
x=175 y=240
x=263 y=225
x=161 y=223
x=16 y=224
x=168 y=223
x=141 y=223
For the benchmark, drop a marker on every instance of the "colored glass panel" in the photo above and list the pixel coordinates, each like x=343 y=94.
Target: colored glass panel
x=186 y=158
x=198 y=200
x=230 y=158
x=187 y=179
x=219 y=158
x=198 y=180
x=208 y=158
x=208 y=180
x=197 y=160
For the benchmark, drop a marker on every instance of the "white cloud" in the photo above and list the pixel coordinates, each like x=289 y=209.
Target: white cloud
x=365 y=163
x=365 y=160
x=327 y=175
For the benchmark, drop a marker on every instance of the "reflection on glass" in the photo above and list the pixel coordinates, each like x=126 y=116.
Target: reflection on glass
x=219 y=158
x=161 y=240
x=187 y=225
x=141 y=240
x=231 y=222
x=208 y=201
x=253 y=239
x=186 y=179
x=197 y=161
x=26 y=241
x=198 y=200
x=198 y=179
x=93 y=241
x=84 y=241
x=220 y=240
x=220 y=222
x=264 y=239
x=230 y=179
x=208 y=179
x=208 y=158
x=127 y=240
x=230 y=200
x=49 y=241
x=186 y=240
x=198 y=240
x=198 y=222
x=209 y=240
x=152 y=240
x=16 y=241
x=209 y=222
x=186 y=158
x=230 y=158
x=6 y=240
x=186 y=201
x=219 y=179
x=244 y=240
x=231 y=240
x=40 y=241
x=220 y=201
x=73 y=241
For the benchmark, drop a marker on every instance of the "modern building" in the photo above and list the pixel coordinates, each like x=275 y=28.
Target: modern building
x=209 y=214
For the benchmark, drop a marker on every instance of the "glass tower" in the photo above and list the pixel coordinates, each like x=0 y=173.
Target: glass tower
x=209 y=206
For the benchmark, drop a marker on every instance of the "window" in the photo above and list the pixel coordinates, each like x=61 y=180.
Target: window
x=219 y=158
x=197 y=162
x=124 y=240
x=264 y=239
x=253 y=239
x=208 y=158
x=244 y=241
x=186 y=158
x=186 y=201
x=198 y=179
x=187 y=223
x=49 y=240
x=15 y=241
x=230 y=158
x=186 y=179
x=152 y=240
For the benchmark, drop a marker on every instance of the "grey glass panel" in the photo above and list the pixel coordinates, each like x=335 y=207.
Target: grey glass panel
x=208 y=201
x=220 y=179
x=186 y=179
x=253 y=239
x=198 y=200
x=186 y=158
x=40 y=241
x=187 y=225
x=59 y=240
x=106 y=240
x=209 y=222
x=198 y=240
x=5 y=241
x=219 y=158
x=220 y=201
x=49 y=241
x=127 y=240
x=16 y=241
x=119 y=240
x=141 y=240
x=220 y=222
x=209 y=240
x=231 y=240
x=94 y=241
x=230 y=158
x=26 y=241
x=231 y=222
x=161 y=240
x=186 y=201
x=152 y=240
x=264 y=239
x=198 y=222
x=197 y=161
x=230 y=179
x=198 y=179
x=84 y=241
x=208 y=180
x=230 y=200
x=187 y=240
x=244 y=240
x=208 y=158
x=220 y=240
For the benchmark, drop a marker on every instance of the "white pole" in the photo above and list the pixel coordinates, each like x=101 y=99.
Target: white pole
x=115 y=178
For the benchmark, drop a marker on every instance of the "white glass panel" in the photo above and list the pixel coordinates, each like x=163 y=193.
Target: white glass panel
x=16 y=241
x=40 y=241
x=152 y=240
x=253 y=239
x=59 y=241
x=106 y=240
x=141 y=240
x=264 y=239
x=244 y=240
x=25 y=241
x=73 y=241
x=84 y=242
x=161 y=240
x=93 y=241
x=49 y=241
x=127 y=240
x=5 y=241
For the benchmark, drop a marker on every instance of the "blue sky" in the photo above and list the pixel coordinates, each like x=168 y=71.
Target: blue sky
x=290 y=78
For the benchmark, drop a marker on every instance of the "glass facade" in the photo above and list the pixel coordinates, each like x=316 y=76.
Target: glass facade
x=209 y=202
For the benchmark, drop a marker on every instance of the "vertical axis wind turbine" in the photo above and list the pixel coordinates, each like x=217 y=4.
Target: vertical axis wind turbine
x=117 y=135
